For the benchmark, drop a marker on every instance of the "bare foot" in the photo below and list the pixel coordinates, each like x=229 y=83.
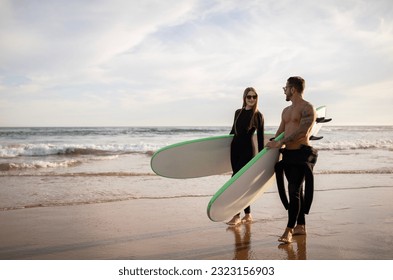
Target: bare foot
x=300 y=230
x=287 y=236
x=247 y=219
x=235 y=221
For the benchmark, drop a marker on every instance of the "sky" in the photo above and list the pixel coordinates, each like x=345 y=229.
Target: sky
x=187 y=63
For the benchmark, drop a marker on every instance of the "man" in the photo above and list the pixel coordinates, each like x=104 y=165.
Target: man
x=298 y=157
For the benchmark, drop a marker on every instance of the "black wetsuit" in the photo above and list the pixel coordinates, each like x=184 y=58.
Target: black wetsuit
x=242 y=148
x=298 y=167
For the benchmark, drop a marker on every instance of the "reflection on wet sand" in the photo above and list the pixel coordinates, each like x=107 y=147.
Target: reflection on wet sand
x=243 y=251
x=242 y=235
x=300 y=253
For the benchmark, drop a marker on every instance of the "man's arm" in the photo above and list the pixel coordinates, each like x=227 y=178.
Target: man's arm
x=281 y=129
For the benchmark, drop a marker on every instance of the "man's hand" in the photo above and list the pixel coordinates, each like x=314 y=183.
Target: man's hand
x=274 y=144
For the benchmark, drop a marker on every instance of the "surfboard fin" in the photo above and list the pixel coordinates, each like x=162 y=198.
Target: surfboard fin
x=322 y=120
x=312 y=137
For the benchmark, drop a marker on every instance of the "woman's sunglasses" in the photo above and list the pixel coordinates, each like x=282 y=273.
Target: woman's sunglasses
x=251 y=96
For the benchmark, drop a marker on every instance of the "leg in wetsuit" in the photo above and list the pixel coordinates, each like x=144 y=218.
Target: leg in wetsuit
x=295 y=177
x=297 y=164
x=241 y=154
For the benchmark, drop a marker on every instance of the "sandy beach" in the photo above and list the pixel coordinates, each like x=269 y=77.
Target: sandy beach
x=343 y=224
x=89 y=197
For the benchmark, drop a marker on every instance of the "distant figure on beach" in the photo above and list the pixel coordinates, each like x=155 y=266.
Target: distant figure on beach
x=298 y=159
x=247 y=120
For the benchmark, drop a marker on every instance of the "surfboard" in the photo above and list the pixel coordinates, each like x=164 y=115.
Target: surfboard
x=196 y=158
x=252 y=180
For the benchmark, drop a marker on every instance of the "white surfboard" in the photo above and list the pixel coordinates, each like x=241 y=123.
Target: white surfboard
x=196 y=158
x=251 y=181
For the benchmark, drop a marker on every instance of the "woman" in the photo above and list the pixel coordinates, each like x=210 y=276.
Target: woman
x=247 y=120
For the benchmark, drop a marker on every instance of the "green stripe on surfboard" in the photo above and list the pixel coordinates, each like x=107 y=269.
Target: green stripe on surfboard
x=240 y=173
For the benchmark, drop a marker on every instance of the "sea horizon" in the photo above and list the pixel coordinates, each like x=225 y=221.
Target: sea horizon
x=165 y=126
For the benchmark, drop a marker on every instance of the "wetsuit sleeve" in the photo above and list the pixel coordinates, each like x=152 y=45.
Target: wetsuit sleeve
x=260 y=132
x=234 y=119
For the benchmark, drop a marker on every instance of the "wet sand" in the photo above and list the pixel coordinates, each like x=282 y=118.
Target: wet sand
x=344 y=224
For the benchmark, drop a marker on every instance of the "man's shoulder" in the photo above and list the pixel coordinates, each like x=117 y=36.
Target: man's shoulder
x=286 y=109
x=308 y=104
x=308 y=107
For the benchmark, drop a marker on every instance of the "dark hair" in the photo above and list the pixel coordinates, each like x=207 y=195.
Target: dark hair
x=297 y=82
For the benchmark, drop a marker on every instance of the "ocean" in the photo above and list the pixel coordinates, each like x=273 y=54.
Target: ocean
x=60 y=166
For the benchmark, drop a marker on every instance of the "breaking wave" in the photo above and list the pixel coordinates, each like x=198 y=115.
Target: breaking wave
x=42 y=150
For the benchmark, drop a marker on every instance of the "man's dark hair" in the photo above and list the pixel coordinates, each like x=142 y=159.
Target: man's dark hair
x=297 y=82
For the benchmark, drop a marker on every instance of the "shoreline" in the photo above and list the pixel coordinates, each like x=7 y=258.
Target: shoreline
x=342 y=225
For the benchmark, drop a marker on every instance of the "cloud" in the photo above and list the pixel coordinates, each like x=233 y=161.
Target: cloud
x=187 y=62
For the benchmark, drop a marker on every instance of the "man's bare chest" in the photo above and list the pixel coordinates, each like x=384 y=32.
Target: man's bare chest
x=292 y=117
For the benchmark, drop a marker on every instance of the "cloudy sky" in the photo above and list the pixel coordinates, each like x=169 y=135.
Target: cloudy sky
x=153 y=62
